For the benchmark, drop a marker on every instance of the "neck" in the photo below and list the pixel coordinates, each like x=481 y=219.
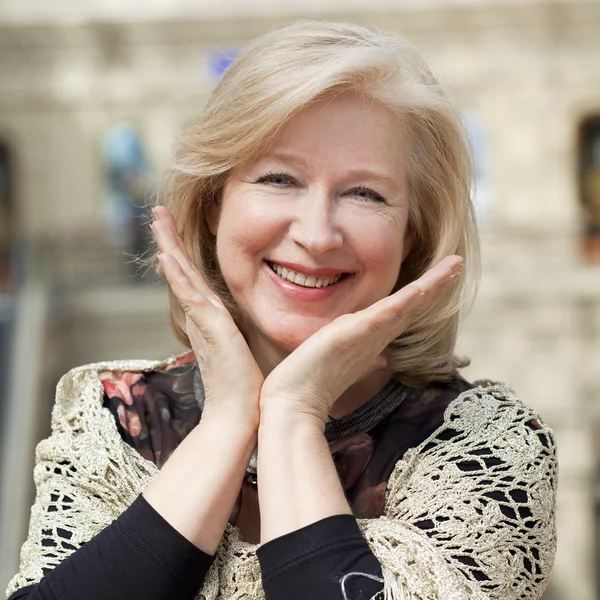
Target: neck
x=360 y=393
x=268 y=356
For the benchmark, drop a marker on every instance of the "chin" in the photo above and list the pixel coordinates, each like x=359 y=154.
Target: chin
x=288 y=336
x=289 y=342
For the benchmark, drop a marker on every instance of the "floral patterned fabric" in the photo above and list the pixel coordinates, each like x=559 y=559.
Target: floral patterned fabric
x=155 y=411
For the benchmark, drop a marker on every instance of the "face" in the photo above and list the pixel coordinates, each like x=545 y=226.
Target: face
x=316 y=227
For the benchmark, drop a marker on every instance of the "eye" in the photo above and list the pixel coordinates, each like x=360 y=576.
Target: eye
x=367 y=194
x=280 y=180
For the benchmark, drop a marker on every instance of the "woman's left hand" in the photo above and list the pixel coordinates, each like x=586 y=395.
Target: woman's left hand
x=315 y=375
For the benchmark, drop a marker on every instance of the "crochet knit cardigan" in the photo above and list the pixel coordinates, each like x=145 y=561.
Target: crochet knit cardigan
x=469 y=513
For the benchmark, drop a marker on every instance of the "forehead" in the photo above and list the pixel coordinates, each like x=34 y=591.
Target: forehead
x=345 y=132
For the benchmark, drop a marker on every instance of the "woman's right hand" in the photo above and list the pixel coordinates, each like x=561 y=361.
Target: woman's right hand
x=232 y=379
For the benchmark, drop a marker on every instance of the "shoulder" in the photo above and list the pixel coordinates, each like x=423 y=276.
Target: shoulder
x=125 y=366
x=488 y=420
x=491 y=412
x=85 y=433
x=483 y=486
x=80 y=392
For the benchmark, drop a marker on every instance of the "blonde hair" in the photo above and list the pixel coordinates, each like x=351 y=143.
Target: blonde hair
x=276 y=76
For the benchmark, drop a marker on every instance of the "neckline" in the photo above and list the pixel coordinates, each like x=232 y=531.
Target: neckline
x=361 y=419
x=371 y=413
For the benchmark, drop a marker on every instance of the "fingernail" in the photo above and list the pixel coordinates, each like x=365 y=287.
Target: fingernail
x=458 y=268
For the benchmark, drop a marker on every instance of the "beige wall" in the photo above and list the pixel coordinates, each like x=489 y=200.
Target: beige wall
x=529 y=72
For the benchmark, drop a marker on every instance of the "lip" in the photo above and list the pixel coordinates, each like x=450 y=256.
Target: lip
x=305 y=294
x=322 y=272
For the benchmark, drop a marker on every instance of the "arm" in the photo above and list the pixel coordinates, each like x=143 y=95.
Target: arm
x=478 y=496
x=298 y=480
x=299 y=484
x=469 y=514
x=196 y=489
x=299 y=488
x=83 y=539
x=193 y=494
x=138 y=556
x=314 y=548
x=474 y=504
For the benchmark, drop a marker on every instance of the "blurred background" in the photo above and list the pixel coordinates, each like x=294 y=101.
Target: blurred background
x=92 y=97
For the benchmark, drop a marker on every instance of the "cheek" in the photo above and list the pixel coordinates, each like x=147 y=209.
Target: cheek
x=380 y=251
x=246 y=235
x=251 y=222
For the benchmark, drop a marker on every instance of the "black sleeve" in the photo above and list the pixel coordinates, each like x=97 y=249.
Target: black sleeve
x=138 y=556
x=328 y=560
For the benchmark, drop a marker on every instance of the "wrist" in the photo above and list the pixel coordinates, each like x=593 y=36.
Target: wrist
x=281 y=417
x=227 y=426
x=222 y=416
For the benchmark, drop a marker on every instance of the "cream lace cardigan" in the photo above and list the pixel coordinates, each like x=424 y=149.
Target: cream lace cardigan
x=484 y=482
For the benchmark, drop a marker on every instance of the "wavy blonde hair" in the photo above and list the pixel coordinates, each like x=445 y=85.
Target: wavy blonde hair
x=276 y=76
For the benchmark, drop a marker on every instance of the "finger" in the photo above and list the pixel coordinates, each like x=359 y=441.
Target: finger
x=416 y=293
x=437 y=280
x=193 y=301
x=167 y=236
x=161 y=214
x=447 y=275
x=393 y=314
x=170 y=243
x=429 y=284
x=426 y=301
x=444 y=271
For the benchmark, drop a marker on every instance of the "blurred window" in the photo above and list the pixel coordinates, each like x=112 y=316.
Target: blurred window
x=7 y=240
x=589 y=185
x=127 y=182
x=220 y=60
x=482 y=194
x=6 y=214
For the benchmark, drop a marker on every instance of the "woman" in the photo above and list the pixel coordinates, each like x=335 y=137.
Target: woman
x=313 y=232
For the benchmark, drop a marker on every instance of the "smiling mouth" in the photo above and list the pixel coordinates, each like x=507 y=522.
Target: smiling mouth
x=304 y=280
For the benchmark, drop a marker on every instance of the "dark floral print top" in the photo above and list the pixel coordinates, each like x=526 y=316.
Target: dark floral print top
x=155 y=411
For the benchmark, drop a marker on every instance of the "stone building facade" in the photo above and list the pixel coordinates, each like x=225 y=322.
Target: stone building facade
x=526 y=75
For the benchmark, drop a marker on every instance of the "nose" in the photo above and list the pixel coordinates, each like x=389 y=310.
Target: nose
x=315 y=226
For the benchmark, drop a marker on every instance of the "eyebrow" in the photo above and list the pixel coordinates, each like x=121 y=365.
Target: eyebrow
x=352 y=174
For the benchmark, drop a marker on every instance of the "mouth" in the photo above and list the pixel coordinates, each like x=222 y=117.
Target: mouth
x=303 y=279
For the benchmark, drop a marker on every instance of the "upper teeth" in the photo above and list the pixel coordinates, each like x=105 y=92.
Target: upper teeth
x=305 y=280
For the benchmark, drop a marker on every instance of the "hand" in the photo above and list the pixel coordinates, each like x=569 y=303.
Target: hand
x=315 y=375
x=231 y=377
